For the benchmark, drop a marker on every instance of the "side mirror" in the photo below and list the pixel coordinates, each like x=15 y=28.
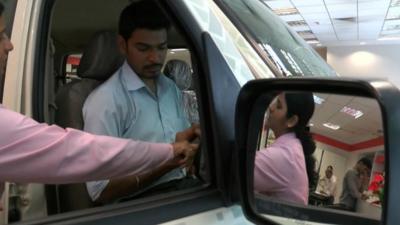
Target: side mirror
x=354 y=124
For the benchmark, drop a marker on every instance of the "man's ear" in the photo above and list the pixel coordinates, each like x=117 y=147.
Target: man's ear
x=122 y=45
x=292 y=121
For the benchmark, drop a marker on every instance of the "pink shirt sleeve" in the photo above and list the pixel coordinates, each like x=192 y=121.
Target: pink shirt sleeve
x=33 y=152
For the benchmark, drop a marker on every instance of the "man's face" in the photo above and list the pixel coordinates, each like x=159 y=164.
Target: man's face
x=361 y=168
x=328 y=173
x=5 y=47
x=145 y=51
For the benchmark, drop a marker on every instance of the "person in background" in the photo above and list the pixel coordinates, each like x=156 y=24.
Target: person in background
x=284 y=169
x=36 y=152
x=352 y=185
x=327 y=185
x=140 y=103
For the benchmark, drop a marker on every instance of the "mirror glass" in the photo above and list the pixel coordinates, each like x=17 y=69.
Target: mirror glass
x=320 y=151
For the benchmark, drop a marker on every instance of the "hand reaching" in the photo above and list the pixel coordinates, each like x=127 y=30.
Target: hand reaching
x=185 y=151
x=189 y=134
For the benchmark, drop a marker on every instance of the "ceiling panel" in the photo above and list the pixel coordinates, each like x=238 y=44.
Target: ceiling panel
x=279 y=4
x=352 y=130
x=299 y=3
x=367 y=16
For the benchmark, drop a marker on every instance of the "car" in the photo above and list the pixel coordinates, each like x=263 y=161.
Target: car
x=226 y=43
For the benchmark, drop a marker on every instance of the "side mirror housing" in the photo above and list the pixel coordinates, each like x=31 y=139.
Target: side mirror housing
x=252 y=103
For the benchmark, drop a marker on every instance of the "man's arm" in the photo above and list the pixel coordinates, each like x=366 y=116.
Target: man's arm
x=353 y=184
x=122 y=187
x=49 y=154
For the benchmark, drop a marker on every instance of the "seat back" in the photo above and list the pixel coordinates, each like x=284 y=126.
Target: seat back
x=99 y=61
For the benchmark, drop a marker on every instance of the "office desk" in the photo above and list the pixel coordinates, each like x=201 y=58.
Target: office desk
x=369 y=209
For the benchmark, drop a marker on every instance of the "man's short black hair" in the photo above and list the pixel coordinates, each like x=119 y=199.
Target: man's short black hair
x=330 y=167
x=1 y=9
x=366 y=162
x=143 y=14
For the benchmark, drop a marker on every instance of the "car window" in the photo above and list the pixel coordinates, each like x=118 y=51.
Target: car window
x=8 y=15
x=67 y=18
x=291 y=55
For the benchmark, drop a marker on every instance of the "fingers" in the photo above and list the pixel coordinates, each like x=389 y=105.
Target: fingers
x=189 y=134
x=185 y=151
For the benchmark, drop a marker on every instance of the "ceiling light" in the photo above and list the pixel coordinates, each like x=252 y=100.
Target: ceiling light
x=393 y=13
x=297 y=23
x=389 y=37
x=179 y=49
x=363 y=43
x=286 y=11
x=391 y=25
x=331 y=126
x=352 y=112
x=318 y=100
x=395 y=3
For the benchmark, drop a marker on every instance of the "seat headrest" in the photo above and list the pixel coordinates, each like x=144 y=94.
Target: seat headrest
x=101 y=57
x=179 y=71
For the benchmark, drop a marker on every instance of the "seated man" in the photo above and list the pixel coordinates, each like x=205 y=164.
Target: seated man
x=139 y=102
x=327 y=185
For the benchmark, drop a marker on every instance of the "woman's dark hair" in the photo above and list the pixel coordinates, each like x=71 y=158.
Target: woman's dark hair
x=142 y=14
x=1 y=9
x=302 y=105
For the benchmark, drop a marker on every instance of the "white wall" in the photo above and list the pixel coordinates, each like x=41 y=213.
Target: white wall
x=366 y=61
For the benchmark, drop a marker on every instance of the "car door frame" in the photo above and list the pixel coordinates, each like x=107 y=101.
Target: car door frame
x=169 y=206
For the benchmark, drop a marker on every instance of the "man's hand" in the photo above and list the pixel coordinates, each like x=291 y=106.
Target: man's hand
x=186 y=151
x=189 y=134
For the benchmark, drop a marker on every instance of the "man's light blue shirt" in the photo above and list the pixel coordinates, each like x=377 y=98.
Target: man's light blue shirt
x=125 y=107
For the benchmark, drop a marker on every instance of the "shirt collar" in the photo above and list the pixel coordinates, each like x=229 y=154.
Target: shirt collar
x=285 y=137
x=133 y=81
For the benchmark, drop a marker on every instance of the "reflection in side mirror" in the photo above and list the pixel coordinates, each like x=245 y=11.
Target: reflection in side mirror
x=319 y=150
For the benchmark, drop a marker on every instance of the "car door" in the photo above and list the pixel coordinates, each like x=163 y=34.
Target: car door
x=217 y=125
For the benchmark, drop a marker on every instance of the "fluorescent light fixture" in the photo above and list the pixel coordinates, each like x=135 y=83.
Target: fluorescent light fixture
x=179 y=50
x=393 y=13
x=318 y=100
x=395 y=3
x=352 y=112
x=389 y=38
x=297 y=23
x=363 y=43
x=331 y=126
x=393 y=24
x=286 y=11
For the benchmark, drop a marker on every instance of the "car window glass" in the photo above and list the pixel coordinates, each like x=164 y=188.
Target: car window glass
x=291 y=54
x=70 y=16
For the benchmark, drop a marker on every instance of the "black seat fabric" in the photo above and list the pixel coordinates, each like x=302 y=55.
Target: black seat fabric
x=99 y=61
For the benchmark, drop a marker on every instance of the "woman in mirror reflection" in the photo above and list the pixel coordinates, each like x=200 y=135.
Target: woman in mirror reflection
x=285 y=169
